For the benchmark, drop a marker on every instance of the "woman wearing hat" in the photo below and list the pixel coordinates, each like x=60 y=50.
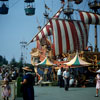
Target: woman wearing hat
x=27 y=84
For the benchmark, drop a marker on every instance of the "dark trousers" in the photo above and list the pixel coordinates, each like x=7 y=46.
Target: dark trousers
x=60 y=81
x=6 y=98
x=66 y=83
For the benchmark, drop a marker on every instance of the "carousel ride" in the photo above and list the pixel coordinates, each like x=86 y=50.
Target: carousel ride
x=62 y=50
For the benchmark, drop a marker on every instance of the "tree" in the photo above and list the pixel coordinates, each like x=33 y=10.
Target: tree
x=3 y=61
x=20 y=65
x=13 y=62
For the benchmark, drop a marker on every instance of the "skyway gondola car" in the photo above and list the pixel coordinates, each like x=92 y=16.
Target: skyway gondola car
x=3 y=8
x=29 y=7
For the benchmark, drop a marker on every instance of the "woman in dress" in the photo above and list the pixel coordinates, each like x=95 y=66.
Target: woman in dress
x=27 y=84
x=97 y=83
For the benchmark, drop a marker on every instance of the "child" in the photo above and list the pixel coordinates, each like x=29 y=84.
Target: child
x=6 y=90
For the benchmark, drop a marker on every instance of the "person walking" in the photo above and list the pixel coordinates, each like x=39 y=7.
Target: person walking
x=27 y=84
x=66 y=77
x=97 y=83
x=60 y=77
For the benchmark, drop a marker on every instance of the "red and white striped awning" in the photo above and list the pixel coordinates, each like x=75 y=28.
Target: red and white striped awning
x=46 y=30
x=90 y=18
x=69 y=35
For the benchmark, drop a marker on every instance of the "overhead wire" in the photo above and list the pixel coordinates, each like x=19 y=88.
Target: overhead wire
x=45 y=11
x=85 y=3
x=16 y=2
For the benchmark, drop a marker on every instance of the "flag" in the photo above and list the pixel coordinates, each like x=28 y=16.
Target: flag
x=63 y=1
x=47 y=7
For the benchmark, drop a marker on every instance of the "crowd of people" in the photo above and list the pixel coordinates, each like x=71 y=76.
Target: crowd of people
x=7 y=75
x=65 y=77
x=25 y=82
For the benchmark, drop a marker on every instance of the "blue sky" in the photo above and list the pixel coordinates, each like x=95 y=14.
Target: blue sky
x=16 y=27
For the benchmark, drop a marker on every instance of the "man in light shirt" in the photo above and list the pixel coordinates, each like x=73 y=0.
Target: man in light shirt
x=60 y=76
x=66 y=77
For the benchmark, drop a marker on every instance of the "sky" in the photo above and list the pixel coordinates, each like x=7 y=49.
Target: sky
x=16 y=27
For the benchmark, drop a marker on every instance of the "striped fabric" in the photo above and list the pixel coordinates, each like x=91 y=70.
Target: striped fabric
x=77 y=61
x=58 y=13
x=38 y=45
x=69 y=36
x=90 y=18
x=45 y=62
x=46 y=30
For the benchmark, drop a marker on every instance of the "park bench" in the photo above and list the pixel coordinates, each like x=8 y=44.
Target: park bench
x=47 y=83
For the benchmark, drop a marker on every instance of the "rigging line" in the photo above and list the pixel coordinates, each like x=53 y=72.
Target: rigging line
x=44 y=1
x=90 y=44
x=76 y=15
x=37 y=21
x=45 y=11
x=52 y=7
x=85 y=11
x=85 y=4
x=15 y=3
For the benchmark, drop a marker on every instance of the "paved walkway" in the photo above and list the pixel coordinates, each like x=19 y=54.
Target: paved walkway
x=56 y=93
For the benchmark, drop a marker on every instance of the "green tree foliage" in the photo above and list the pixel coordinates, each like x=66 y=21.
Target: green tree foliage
x=3 y=61
x=13 y=62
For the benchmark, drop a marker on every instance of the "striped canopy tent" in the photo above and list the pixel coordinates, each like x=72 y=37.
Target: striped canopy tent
x=45 y=62
x=77 y=62
x=98 y=63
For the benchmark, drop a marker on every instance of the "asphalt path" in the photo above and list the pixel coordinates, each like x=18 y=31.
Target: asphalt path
x=56 y=93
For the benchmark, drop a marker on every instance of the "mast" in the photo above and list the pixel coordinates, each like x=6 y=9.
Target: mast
x=95 y=6
x=68 y=11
